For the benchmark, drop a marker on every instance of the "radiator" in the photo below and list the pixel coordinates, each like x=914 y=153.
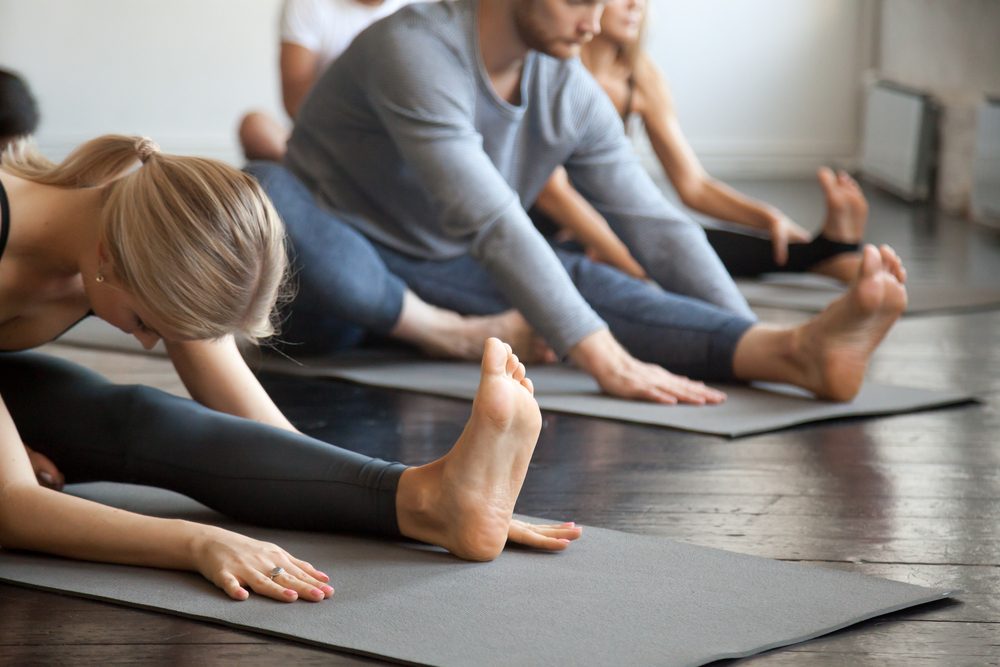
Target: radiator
x=986 y=190
x=899 y=141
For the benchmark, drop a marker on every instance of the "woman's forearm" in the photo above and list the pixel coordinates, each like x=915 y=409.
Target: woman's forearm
x=38 y=519
x=716 y=199
x=216 y=376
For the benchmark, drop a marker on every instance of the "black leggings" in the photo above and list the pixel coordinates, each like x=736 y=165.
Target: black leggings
x=95 y=430
x=744 y=255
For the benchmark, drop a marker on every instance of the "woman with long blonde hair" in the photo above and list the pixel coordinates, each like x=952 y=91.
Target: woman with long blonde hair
x=639 y=91
x=191 y=252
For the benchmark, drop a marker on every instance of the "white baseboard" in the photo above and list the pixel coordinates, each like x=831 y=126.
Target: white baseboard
x=759 y=160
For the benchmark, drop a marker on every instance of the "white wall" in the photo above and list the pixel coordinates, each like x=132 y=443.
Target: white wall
x=762 y=86
x=180 y=71
x=765 y=86
x=951 y=50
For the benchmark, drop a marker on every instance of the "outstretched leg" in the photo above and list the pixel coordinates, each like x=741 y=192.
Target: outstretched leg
x=95 y=430
x=829 y=354
x=464 y=501
x=344 y=289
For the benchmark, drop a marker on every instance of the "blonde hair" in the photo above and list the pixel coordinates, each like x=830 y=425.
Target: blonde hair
x=196 y=241
x=629 y=54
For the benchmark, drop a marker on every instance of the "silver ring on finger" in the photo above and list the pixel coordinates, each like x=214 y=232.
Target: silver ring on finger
x=276 y=572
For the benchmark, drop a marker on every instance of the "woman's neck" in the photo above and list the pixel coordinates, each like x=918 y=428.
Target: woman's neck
x=601 y=56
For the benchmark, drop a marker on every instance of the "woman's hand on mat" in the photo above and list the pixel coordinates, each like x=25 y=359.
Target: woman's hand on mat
x=784 y=231
x=621 y=374
x=234 y=563
x=550 y=537
x=46 y=472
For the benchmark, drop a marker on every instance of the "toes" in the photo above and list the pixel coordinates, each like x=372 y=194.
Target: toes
x=826 y=178
x=529 y=385
x=495 y=355
x=871 y=261
x=512 y=363
x=520 y=372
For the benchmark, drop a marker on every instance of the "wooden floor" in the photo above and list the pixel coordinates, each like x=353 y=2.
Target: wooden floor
x=914 y=498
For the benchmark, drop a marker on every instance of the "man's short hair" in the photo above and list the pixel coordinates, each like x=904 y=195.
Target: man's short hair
x=18 y=111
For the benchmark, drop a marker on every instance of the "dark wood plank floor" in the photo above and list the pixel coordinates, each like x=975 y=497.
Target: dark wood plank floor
x=914 y=497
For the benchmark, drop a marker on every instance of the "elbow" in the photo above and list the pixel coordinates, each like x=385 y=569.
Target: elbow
x=690 y=192
x=13 y=499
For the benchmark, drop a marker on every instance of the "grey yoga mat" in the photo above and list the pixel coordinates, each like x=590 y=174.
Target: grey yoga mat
x=612 y=599
x=756 y=409
x=811 y=293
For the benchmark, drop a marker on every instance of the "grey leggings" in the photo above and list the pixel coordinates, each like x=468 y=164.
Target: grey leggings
x=96 y=430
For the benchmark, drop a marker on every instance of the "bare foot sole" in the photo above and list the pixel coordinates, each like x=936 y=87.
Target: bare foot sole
x=846 y=207
x=833 y=349
x=464 y=501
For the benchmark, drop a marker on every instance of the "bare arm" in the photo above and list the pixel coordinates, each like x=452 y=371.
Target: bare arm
x=217 y=377
x=299 y=69
x=567 y=208
x=696 y=188
x=39 y=519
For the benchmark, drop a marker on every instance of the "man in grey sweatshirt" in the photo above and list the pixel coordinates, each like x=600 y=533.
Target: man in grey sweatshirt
x=440 y=124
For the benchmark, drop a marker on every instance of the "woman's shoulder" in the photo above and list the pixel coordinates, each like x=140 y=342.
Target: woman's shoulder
x=651 y=88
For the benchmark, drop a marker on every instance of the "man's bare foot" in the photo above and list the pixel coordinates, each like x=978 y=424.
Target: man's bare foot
x=846 y=207
x=464 y=501
x=832 y=350
x=446 y=334
x=511 y=327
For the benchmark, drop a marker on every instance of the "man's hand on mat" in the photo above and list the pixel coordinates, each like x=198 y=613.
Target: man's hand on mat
x=234 y=563
x=783 y=231
x=46 y=472
x=551 y=537
x=621 y=374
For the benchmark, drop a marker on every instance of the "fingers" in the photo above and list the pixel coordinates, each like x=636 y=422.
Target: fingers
x=539 y=537
x=290 y=585
x=232 y=587
x=685 y=390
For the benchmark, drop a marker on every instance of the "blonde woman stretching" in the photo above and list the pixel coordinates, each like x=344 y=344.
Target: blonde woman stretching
x=637 y=88
x=189 y=251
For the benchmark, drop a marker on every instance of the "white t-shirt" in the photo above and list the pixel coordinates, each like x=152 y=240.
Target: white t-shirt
x=327 y=27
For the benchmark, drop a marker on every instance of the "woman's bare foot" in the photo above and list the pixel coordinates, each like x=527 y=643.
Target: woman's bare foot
x=832 y=350
x=464 y=501
x=846 y=217
x=846 y=207
x=446 y=334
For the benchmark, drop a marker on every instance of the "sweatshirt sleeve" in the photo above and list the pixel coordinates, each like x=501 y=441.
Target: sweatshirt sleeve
x=424 y=94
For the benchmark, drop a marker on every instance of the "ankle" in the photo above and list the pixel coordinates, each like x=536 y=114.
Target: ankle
x=416 y=500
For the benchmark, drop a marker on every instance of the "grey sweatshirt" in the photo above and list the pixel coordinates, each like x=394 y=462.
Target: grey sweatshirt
x=405 y=138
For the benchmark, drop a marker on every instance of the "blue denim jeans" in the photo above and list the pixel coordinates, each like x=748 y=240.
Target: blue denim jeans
x=342 y=288
x=682 y=333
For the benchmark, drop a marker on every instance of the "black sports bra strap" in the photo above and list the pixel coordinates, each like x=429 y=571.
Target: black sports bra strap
x=4 y=219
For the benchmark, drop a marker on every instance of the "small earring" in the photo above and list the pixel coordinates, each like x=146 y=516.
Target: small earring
x=99 y=278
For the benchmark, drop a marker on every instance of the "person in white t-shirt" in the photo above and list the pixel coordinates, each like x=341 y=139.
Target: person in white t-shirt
x=313 y=34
